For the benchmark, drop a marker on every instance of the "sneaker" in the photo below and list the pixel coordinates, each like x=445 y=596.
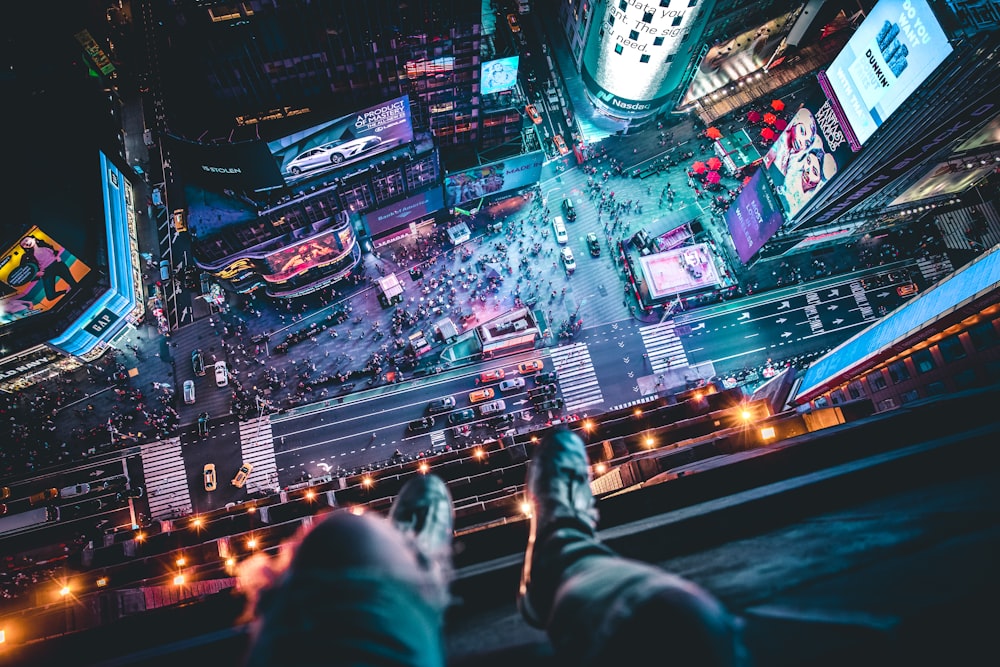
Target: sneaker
x=558 y=483
x=423 y=510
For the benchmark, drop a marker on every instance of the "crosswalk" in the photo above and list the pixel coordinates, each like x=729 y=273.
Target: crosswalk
x=257 y=446
x=983 y=221
x=577 y=379
x=166 y=483
x=663 y=347
x=933 y=268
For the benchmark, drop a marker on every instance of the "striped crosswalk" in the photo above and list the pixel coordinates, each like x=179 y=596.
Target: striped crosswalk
x=577 y=380
x=257 y=445
x=663 y=347
x=437 y=438
x=933 y=268
x=166 y=483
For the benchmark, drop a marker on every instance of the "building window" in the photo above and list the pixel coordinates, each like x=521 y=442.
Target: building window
x=670 y=58
x=618 y=49
x=886 y=404
x=854 y=390
x=935 y=389
x=837 y=396
x=677 y=21
x=647 y=17
x=611 y=19
x=876 y=380
x=657 y=41
x=622 y=5
x=910 y=396
x=898 y=372
x=984 y=336
x=923 y=360
x=966 y=379
x=644 y=58
x=633 y=35
x=951 y=349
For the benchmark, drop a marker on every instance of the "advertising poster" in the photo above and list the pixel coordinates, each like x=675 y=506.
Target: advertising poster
x=245 y=166
x=893 y=51
x=403 y=212
x=944 y=179
x=807 y=154
x=490 y=179
x=344 y=141
x=754 y=217
x=35 y=274
x=290 y=262
x=499 y=75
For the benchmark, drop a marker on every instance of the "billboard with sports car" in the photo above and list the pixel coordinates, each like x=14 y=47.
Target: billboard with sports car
x=343 y=141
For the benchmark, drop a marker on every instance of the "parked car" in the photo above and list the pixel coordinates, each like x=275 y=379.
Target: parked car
x=491 y=376
x=461 y=416
x=419 y=425
x=189 y=391
x=551 y=404
x=209 y=474
x=442 y=404
x=241 y=475
x=493 y=407
x=560 y=229
x=221 y=374
x=547 y=377
x=569 y=209
x=198 y=362
x=593 y=244
x=568 y=260
x=530 y=366
x=75 y=490
x=481 y=395
x=512 y=384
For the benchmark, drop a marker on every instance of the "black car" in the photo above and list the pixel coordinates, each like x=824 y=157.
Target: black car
x=551 y=404
x=569 y=209
x=547 y=377
x=461 y=416
x=593 y=244
x=419 y=425
x=441 y=404
x=503 y=420
x=198 y=362
x=541 y=393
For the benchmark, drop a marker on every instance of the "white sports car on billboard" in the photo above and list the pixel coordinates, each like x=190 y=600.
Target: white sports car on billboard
x=333 y=153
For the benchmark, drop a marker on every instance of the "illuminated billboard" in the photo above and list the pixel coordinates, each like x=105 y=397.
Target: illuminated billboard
x=490 y=179
x=344 y=141
x=35 y=274
x=807 y=154
x=499 y=75
x=754 y=217
x=944 y=179
x=403 y=212
x=318 y=251
x=893 y=51
x=245 y=166
x=418 y=68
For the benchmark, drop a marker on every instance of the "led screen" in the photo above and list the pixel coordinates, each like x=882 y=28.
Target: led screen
x=35 y=274
x=244 y=166
x=318 y=251
x=344 y=141
x=807 y=154
x=894 y=50
x=499 y=75
x=403 y=212
x=489 y=179
x=944 y=179
x=754 y=217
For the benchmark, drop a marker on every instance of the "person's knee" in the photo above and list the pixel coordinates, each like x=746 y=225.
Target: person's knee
x=346 y=540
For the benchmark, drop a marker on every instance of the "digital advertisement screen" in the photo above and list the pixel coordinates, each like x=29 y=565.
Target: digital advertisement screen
x=807 y=154
x=403 y=212
x=893 y=51
x=344 y=141
x=944 y=179
x=490 y=179
x=418 y=68
x=754 y=217
x=498 y=75
x=35 y=274
x=290 y=262
x=244 y=166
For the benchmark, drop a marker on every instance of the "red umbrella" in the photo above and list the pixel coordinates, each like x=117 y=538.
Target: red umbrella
x=713 y=177
x=699 y=167
x=768 y=133
x=780 y=124
x=713 y=163
x=777 y=105
x=713 y=133
x=769 y=118
x=753 y=116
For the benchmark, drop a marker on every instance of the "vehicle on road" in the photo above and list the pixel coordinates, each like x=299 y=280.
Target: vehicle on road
x=533 y=114
x=560 y=144
x=502 y=420
x=209 y=474
x=541 y=393
x=164 y=270
x=180 y=223
x=530 y=366
x=419 y=425
x=547 y=377
x=43 y=496
x=559 y=227
x=569 y=209
x=333 y=153
x=197 y=362
x=593 y=244
x=551 y=404
x=221 y=374
x=568 y=260
x=515 y=27
x=492 y=376
x=189 y=392
x=512 y=384
x=442 y=404
x=480 y=395
x=461 y=416
x=36 y=517
x=241 y=475
x=75 y=490
x=493 y=407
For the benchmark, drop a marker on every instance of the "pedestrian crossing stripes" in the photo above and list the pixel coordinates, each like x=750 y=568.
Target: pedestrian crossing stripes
x=638 y=401
x=976 y=227
x=663 y=347
x=257 y=445
x=437 y=439
x=577 y=379
x=166 y=480
x=933 y=268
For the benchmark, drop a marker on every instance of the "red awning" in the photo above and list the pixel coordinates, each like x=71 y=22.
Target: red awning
x=780 y=124
x=768 y=133
x=714 y=163
x=699 y=167
x=713 y=177
x=777 y=105
x=753 y=116
x=769 y=118
x=713 y=133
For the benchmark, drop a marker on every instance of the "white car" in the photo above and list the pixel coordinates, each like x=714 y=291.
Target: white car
x=512 y=384
x=189 y=391
x=560 y=229
x=333 y=153
x=568 y=260
x=221 y=374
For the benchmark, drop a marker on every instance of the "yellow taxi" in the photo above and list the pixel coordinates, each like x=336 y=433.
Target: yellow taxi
x=529 y=367
x=209 y=474
x=241 y=475
x=491 y=376
x=533 y=114
x=480 y=395
x=560 y=144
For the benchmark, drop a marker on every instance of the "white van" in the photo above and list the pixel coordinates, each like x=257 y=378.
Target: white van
x=560 y=228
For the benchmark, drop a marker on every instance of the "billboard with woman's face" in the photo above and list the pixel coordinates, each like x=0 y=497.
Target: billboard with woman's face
x=35 y=274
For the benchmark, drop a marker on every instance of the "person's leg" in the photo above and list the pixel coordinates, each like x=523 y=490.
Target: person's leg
x=362 y=589
x=594 y=604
